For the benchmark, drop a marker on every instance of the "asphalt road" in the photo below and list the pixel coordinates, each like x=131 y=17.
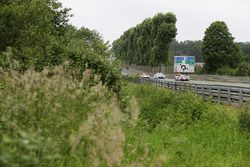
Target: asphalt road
x=132 y=71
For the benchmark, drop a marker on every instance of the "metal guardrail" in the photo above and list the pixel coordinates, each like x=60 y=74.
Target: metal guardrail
x=222 y=78
x=221 y=94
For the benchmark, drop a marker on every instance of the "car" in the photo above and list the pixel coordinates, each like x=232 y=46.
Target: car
x=144 y=75
x=182 y=77
x=159 y=75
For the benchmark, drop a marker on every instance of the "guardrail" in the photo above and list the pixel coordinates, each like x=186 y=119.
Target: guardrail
x=222 y=78
x=221 y=94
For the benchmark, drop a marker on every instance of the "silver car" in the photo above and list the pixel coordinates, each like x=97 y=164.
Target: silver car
x=159 y=75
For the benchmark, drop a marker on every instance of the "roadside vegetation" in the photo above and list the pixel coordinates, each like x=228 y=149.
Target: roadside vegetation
x=152 y=43
x=187 y=131
x=63 y=103
x=49 y=118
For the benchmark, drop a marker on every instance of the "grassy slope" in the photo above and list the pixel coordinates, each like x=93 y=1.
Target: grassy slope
x=49 y=119
x=187 y=130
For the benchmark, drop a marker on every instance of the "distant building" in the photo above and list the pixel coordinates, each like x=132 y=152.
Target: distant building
x=199 y=64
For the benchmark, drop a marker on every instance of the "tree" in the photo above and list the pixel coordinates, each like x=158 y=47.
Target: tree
x=245 y=47
x=219 y=49
x=33 y=29
x=191 y=48
x=36 y=34
x=148 y=42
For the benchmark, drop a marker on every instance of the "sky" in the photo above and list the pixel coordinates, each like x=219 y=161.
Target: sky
x=111 y=18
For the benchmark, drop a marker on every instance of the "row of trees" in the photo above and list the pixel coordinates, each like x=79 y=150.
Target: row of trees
x=36 y=34
x=148 y=42
x=193 y=48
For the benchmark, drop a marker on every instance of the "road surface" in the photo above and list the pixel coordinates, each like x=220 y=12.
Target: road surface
x=132 y=71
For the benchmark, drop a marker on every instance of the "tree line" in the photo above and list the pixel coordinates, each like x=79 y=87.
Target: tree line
x=193 y=48
x=37 y=34
x=148 y=42
x=221 y=55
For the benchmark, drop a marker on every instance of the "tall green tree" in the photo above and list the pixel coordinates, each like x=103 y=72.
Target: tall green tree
x=219 y=49
x=36 y=34
x=33 y=29
x=148 y=42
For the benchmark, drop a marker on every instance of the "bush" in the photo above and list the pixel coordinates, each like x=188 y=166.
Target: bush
x=184 y=130
x=244 y=119
x=226 y=71
x=41 y=111
x=243 y=69
x=199 y=70
x=161 y=105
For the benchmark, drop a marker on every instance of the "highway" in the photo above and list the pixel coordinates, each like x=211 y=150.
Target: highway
x=217 y=83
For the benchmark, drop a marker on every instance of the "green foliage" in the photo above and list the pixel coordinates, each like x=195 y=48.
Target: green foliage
x=42 y=114
x=226 y=70
x=148 y=42
x=51 y=119
x=187 y=131
x=219 y=49
x=243 y=69
x=245 y=48
x=199 y=70
x=35 y=34
x=23 y=149
x=33 y=29
x=245 y=118
x=163 y=106
x=191 y=48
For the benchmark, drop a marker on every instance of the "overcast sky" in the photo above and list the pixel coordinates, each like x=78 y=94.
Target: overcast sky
x=112 y=17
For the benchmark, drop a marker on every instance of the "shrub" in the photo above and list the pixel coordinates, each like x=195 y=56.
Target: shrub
x=226 y=70
x=243 y=69
x=199 y=70
x=40 y=111
x=244 y=118
x=161 y=105
x=52 y=119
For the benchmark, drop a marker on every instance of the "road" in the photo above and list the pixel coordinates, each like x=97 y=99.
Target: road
x=132 y=71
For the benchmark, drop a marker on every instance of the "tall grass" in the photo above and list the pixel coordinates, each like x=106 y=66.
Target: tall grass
x=51 y=119
x=186 y=130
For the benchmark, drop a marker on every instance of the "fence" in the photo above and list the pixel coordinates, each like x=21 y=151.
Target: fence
x=221 y=94
x=231 y=79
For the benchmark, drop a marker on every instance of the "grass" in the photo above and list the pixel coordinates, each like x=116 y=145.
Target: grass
x=187 y=130
x=50 y=119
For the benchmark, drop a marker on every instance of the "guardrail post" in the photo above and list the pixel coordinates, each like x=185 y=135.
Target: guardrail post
x=210 y=92
x=219 y=94
x=241 y=97
x=202 y=91
x=229 y=95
